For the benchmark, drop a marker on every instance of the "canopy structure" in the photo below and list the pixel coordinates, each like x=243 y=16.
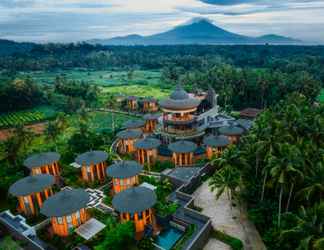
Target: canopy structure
x=182 y=147
x=124 y=175
x=129 y=134
x=65 y=202
x=150 y=122
x=151 y=116
x=232 y=132
x=134 y=124
x=215 y=145
x=41 y=159
x=93 y=164
x=216 y=141
x=183 y=152
x=91 y=157
x=134 y=200
x=124 y=169
x=147 y=143
x=31 y=184
x=179 y=100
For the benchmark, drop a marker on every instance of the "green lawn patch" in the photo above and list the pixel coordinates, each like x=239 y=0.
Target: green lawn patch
x=138 y=90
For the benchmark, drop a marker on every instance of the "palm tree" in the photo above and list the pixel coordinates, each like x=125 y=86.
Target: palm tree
x=307 y=228
x=315 y=185
x=285 y=170
x=226 y=180
x=54 y=128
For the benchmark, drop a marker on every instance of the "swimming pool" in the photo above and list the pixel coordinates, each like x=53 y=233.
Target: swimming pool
x=168 y=238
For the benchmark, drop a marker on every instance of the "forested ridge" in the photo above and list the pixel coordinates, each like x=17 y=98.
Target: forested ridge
x=243 y=76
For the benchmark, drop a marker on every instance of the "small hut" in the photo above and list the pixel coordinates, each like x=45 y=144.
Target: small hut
x=135 y=204
x=150 y=122
x=67 y=210
x=149 y=104
x=233 y=133
x=146 y=150
x=124 y=175
x=43 y=163
x=127 y=139
x=134 y=124
x=131 y=103
x=31 y=192
x=182 y=152
x=93 y=165
x=215 y=145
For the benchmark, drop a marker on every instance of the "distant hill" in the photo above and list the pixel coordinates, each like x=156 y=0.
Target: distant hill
x=8 y=47
x=200 y=31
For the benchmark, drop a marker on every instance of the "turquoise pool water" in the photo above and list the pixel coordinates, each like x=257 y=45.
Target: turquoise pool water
x=168 y=238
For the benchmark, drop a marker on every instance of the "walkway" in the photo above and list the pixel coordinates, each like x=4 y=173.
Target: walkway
x=227 y=219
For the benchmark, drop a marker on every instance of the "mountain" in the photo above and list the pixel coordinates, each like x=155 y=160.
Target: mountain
x=200 y=31
x=8 y=47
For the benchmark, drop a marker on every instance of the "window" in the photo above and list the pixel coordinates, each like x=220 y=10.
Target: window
x=140 y=215
x=59 y=220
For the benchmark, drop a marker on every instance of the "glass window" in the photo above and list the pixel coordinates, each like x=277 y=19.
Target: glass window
x=59 y=220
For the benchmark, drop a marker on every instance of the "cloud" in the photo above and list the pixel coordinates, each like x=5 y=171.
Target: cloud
x=227 y=2
x=76 y=20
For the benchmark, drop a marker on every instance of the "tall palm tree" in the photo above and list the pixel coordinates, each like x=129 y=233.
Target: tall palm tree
x=314 y=189
x=285 y=170
x=225 y=180
x=307 y=228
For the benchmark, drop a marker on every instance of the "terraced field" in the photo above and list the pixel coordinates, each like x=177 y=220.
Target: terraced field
x=26 y=116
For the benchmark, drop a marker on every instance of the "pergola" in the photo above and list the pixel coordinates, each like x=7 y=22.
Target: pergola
x=178 y=112
x=215 y=145
x=124 y=175
x=149 y=104
x=93 y=165
x=150 y=122
x=134 y=124
x=135 y=204
x=232 y=132
x=31 y=192
x=131 y=102
x=146 y=150
x=43 y=163
x=183 y=152
x=67 y=210
x=127 y=139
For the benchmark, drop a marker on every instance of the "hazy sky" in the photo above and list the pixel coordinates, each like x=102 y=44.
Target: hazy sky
x=77 y=20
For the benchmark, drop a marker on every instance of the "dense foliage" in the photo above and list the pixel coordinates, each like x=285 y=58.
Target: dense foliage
x=18 y=94
x=281 y=174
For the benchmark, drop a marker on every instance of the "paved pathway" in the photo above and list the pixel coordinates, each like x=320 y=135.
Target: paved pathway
x=227 y=219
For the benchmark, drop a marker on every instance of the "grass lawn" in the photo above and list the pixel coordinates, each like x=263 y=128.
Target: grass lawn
x=103 y=78
x=101 y=120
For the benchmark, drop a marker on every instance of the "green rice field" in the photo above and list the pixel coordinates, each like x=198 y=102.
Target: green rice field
x=102 y=78
x=138 y=90
x=26 y=116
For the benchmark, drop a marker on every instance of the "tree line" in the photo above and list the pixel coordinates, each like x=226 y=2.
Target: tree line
x=278 y=171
